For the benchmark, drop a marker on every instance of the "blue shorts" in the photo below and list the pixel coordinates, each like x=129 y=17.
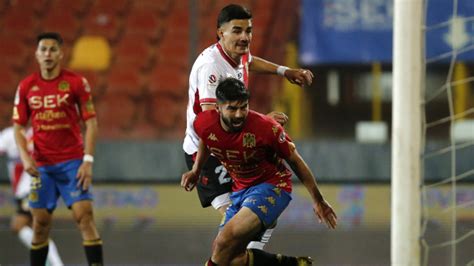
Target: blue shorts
x=54 y=181
x=265 y=200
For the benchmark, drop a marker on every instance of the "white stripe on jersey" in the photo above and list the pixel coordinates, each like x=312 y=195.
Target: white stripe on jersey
x=208 y=70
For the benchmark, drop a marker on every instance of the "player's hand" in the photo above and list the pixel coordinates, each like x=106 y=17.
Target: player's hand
x=189 y=180
x=302 y=77
x=30 y=167
x=325 y=213
x=280 y=117
x=84 y=174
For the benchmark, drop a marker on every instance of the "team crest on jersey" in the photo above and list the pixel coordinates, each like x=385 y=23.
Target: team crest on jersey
x=35 y=88
x=249 y=140
x=63 y=86
x=212 y=137
x=212 y=79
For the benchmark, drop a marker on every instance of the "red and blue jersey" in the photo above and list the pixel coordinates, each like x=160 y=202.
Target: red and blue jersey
x=252 y=156
x=55 y=108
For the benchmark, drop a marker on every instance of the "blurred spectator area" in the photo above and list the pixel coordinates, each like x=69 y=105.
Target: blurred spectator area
x=135 y=54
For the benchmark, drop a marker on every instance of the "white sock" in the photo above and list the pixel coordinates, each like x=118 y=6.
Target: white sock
x=260 y=244
x=53 y=255
x=26 y=236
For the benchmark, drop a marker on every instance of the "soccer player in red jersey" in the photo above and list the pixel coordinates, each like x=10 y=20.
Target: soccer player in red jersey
x=229 y=57
x=252 y=148
x=56 y=101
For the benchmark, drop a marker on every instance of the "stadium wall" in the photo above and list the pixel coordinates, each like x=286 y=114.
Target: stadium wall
x=347 y=161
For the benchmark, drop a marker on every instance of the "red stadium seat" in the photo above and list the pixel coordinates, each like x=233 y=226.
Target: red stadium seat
x=103 y=23
x=163 y=7
x=173 y=53
x=116 y=115
x=143 y=22
x=122 y=80
x=63 y=22
x=37 y=7
x=96 y=81
x=133 y=52
x=167 y=114
x=13 y=52
x=76 y=7
x=165 y=80
x=6 y=107
x=9 y=80
x=118 y=7
x=19 y=24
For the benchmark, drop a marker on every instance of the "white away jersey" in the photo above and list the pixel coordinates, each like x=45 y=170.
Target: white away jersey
x=212 y=66
x=19 y=179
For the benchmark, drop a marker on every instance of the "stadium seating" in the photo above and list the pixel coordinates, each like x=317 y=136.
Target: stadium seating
x=76 y=7
x=8 y=82
x=90 y=53
x=144 y=23
x=124 y=81
x=103 y=23
x=116 y=115
x=118 y=7
x=65 y=23
x=167 y=80
x=20 y=25
x=13 y=51
x=134 y=52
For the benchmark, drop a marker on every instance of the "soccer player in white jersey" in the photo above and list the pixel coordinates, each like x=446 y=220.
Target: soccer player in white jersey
x=20 y=181
x=229 y=57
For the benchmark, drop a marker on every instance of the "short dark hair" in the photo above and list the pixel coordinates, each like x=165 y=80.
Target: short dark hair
x=230 y=90
x=50 y=35
x=231 y=12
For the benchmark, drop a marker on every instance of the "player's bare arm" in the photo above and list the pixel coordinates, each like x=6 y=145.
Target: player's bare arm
x=301 y=77
x=321 y=207
x=190 y=178
x=84 y=173
x=22 y=143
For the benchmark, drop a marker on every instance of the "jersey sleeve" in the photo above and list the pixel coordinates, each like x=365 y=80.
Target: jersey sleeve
x=84 y=96
x=198 y=125
x=281 y=141
x=3 y=145
x=21 y=112
x=208 y=79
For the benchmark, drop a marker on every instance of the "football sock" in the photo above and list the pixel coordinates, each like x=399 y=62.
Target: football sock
x=38 y=254
x=259 y=257
x=93 y=250
x=26 y=236
x=53 y=255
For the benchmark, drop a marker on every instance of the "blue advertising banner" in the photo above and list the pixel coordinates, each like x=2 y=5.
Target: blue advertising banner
x=360 y=31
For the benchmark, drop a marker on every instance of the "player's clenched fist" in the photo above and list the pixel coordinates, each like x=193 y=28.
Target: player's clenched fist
x=189 y=180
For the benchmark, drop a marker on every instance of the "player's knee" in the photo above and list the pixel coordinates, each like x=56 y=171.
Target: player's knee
x=84 y=219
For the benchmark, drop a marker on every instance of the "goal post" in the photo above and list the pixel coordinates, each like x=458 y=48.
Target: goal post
x=408 y=81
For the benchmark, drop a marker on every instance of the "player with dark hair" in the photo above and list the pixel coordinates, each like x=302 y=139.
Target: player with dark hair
x=252 y=147
x=229 y=57
x=56 y=101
